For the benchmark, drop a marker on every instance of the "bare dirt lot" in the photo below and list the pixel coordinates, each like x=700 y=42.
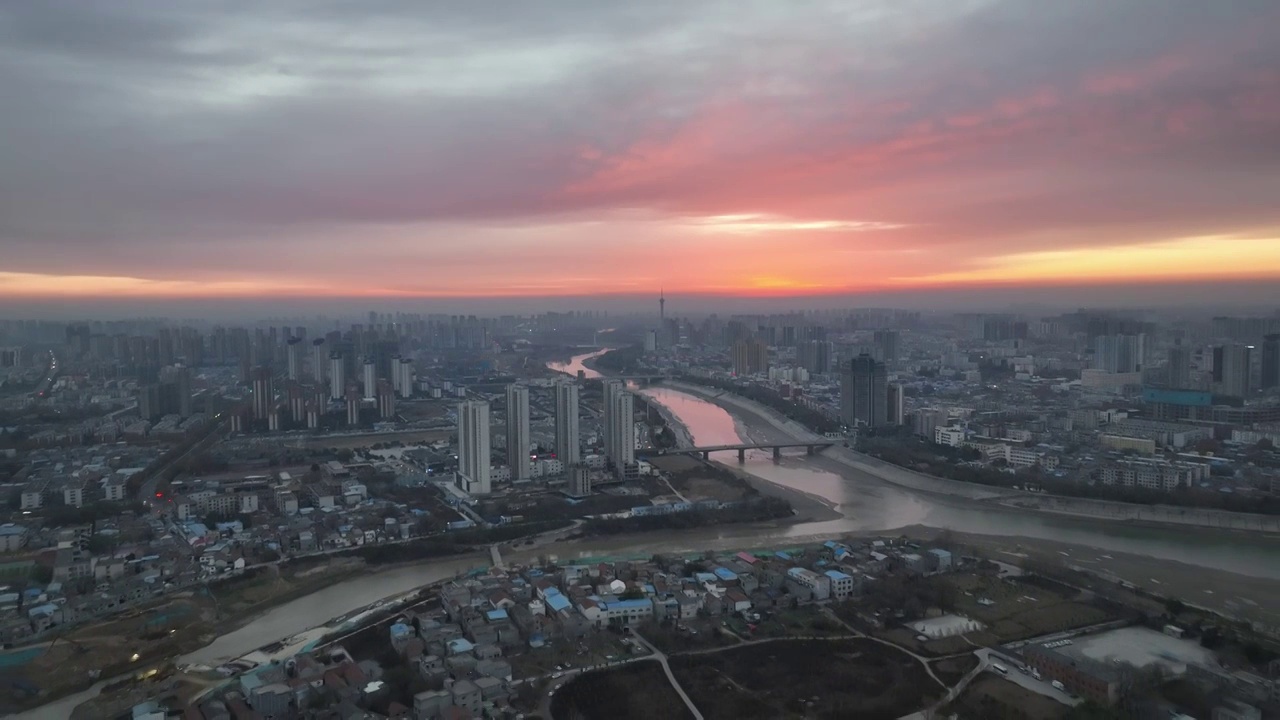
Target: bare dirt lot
x=697 y=480
x=351 y=442
x=994 y=698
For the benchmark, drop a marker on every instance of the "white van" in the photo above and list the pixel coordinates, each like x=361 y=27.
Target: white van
x=1000 y=668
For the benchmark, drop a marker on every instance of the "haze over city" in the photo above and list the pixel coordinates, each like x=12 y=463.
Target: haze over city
x=973 y=153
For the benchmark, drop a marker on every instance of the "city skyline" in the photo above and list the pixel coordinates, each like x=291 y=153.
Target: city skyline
x=713 y=150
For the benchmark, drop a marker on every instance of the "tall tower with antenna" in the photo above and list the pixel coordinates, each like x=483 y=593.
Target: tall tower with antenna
x=662 y=306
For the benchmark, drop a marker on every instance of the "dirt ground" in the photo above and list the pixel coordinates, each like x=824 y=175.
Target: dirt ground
x=152 y=634
x=994 y=698
x=409 y=437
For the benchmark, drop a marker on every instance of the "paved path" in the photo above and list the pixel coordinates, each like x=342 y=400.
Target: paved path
x=666 y=668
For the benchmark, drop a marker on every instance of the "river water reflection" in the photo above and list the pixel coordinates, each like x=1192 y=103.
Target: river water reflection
x=869 y=503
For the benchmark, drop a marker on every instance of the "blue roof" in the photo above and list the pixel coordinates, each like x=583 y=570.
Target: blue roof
x=837 y=575
x=12 y=529
x=940 y=552
x=551 y=591
x=461 y=645
x=704 y=577
x=558 y=602
x=724 y=573
x=782 y=555
x=498 y=614
x=400 y=630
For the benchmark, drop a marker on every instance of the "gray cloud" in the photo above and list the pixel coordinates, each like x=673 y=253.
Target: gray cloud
x=144 y=134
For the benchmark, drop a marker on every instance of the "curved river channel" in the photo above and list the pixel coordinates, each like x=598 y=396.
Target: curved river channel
x=864 y=502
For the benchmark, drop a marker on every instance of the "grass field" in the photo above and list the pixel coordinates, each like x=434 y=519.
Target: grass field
x=1020 y=610
x=951 y=670
x=638 y=691
x=805 y=678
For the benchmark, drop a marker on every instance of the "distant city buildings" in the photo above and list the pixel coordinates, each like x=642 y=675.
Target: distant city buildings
x=1178 y=369
x=864 y=393
x=750 y=356
x=1271 y=361
x=1119 y=354
x=814 y=356
x=1231 y=366
x=887 y=343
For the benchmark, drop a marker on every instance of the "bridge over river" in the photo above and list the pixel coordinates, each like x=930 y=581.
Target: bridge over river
x=811 y=448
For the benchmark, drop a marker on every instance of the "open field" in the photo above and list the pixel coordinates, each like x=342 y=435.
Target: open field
x=701 y=481
x=350 y=442
x=805 y=678
x=991 y=697
x=951 y=670
x=638 y=691
x=1019 y=610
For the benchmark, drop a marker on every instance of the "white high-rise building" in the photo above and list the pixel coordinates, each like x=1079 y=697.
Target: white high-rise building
x=395 y=373
x=610 y=389
x=568 y=442
x=518 y=432
x=337 y=376
x=406 y=377
x=293 y=356
x=319 y=361
x=473 y=447
x=370 y=380
x=623 y=432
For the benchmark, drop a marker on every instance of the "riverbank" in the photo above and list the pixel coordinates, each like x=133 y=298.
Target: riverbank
x=1107 y=510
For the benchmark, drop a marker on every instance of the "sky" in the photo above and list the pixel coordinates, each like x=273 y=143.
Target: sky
x=406 y=150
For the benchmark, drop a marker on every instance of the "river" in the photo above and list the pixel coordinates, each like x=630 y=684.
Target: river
x=868 y=503
x=864 y=502
x=576 y=364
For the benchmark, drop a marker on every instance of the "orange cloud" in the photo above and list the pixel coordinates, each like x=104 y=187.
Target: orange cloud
x=1200 y=258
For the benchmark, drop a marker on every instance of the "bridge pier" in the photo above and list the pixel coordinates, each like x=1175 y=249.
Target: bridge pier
x=810 y=450
x=777 y=453
x=706 y=455
x=742 y=455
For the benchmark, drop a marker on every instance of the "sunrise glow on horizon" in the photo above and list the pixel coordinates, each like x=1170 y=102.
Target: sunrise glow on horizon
x=880 y=146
